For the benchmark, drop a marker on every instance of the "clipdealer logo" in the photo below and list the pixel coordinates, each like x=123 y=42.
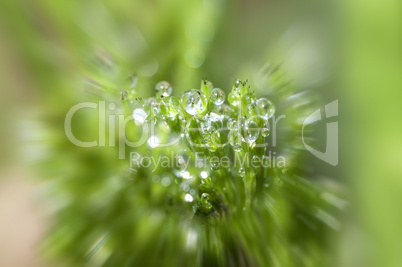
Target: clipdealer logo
x=330 y=155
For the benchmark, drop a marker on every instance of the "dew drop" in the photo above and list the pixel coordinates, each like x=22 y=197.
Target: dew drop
x=204 y=174
x=153 y=141
x=152 y=101
x=251 y=109
x=153 y=118
x=186 y=175
x=265 y=132
x=205 y=197
x=188 y=198
x=234 y=98
x=140 y=113
x=211 y=146
x=155 y=109
x=163 y=89
x=251 y=131
x=242 y=122
x=170 y=106
x=223 y=109
x=215 y=166
x=265 y=108
x=217 y=96
x=232 y=124
x=194 y=102
x=248 y=99
x=212 y=122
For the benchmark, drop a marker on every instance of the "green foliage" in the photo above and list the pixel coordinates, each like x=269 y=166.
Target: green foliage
x=248 y=211
x=109 y=213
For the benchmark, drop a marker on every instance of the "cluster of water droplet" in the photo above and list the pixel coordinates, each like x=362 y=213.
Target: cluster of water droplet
x=245 y=118
x=205 y=120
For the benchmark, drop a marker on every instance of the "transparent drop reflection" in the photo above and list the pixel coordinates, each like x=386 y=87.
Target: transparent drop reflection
x=217 y=96
x=194 y=102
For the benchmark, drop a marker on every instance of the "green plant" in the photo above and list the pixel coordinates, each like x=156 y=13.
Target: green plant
x=253 y=209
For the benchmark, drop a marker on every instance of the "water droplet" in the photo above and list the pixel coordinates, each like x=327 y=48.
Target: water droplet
x=152 y=101
x=235 y=140
x=251 y=109
x=163 y=89
x=212 y=122
x=204 y=174
x=180 y=159
x=251 y=131
x=210 y=144
x=170 y=106
x=265 y=108
x=232 y=124
x=242 y=122
x=234 y=98
x=206 y=127
x=140 y=112
x=194 y=102
x=215 y=165
x=153 y=141
x=205 y=197
x=152 y=119
x=186 y=175
x=223 y=109
x=265 y=132
x=252 y=145
x=154 y=109
x=217 y=96
x=248 y=99
x=188 y=198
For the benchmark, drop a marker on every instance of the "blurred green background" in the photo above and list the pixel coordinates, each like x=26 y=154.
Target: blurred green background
x=348 y=50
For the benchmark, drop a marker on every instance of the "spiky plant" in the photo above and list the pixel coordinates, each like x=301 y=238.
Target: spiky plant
x=187 y=180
